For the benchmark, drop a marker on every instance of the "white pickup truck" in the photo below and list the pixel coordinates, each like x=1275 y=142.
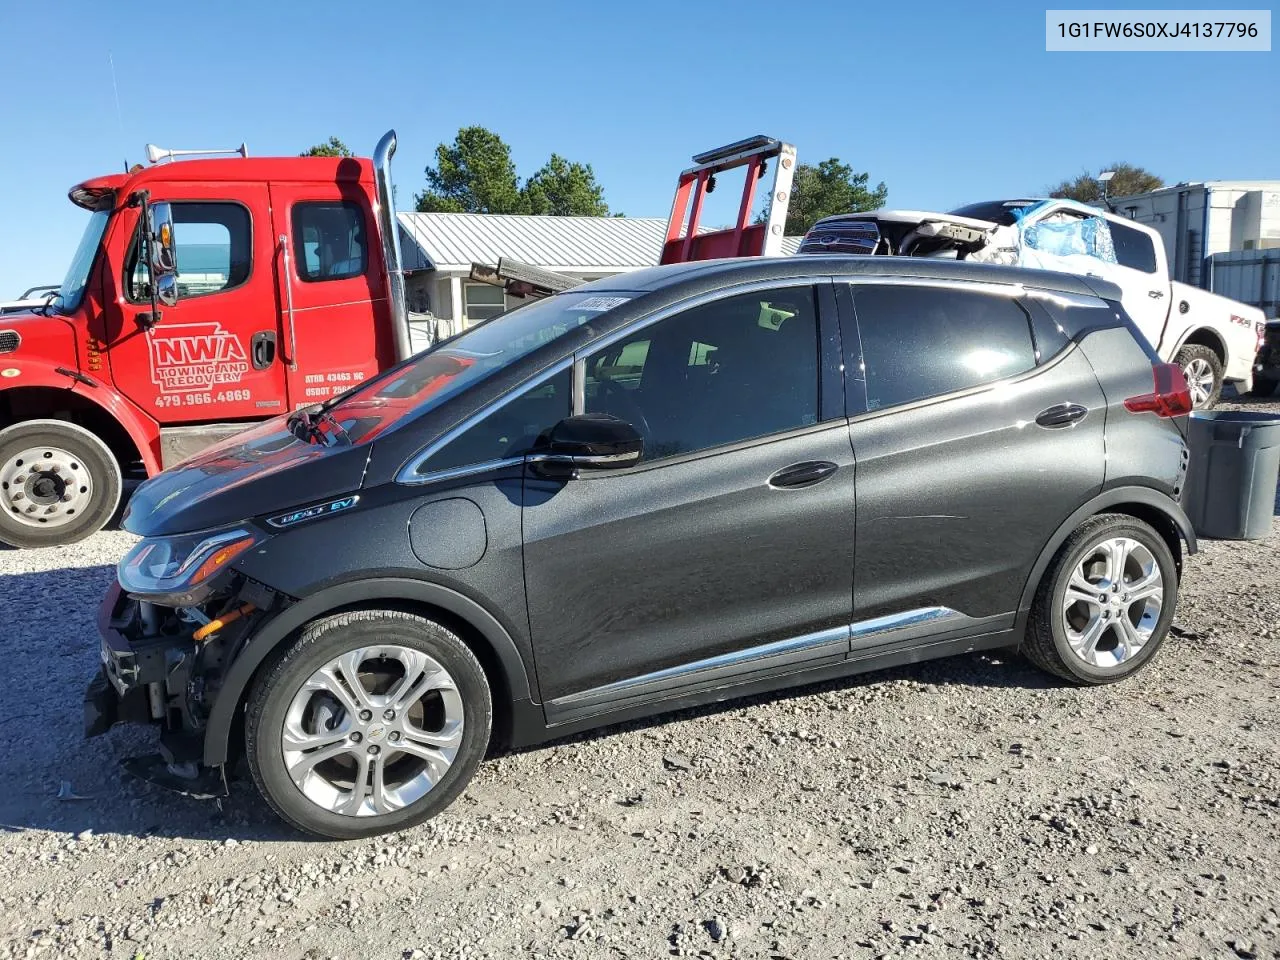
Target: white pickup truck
x=1212 y=338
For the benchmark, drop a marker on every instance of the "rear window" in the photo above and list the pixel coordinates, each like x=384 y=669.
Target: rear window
x=920 y=342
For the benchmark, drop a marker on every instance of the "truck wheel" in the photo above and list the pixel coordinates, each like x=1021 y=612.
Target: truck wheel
x=1264 y=388
x=1105 y=604
x=58 y=483
x=373 y=720
x=1203 y=370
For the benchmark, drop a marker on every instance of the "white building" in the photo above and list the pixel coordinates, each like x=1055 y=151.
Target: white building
x=1223 y=235
x=439 y=248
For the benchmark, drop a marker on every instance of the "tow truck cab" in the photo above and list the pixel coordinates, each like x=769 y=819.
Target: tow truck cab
x=286 y=290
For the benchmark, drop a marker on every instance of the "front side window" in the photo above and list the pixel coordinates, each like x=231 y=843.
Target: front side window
x=213 y=244
x=482 y=301
x=329 y=240
x=510 y=430
x=920 y=342
x=724 y=372
x=1134 y=248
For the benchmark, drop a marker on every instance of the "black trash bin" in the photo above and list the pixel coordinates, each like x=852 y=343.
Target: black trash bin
x=1232 y=476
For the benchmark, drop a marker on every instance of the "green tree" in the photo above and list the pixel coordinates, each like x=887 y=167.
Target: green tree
x=563 y=188
x=474 y=174
x=827 y=189
x=333 y=147
x=1129 y=180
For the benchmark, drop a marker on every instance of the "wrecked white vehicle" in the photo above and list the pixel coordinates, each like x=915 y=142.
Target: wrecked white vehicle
x=1212 y=338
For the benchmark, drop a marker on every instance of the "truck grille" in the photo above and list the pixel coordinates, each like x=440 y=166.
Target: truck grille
x=9 y=341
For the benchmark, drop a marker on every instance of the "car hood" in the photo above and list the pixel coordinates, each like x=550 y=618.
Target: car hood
x=262 y=471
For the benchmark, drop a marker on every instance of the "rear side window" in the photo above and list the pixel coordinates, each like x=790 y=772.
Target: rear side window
x=329 y=240
x=920 y=342
x=1134 y=249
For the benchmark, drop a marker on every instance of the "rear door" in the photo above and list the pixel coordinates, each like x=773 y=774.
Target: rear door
x=1143 y=275
x=974 y=438
x=199 y=363
x=333 y=296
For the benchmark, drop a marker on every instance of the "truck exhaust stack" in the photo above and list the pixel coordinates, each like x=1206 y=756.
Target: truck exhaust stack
x=390 y=230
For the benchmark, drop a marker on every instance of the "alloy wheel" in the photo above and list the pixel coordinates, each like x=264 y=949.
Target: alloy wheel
x=1200 y=379
x=45 y=486
x=1112 y=602
x=373 y=730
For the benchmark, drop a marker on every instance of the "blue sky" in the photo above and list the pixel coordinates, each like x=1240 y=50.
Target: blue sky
x=946 y=102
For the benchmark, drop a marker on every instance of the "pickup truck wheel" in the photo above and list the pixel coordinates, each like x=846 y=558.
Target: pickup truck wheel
x=1203 y=370
x=373 y=720
x=58 y=483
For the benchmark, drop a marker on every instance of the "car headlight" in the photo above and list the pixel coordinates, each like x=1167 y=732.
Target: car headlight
x=178 y=571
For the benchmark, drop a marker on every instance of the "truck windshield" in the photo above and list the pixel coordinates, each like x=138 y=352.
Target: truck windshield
x=430 y=378
x=72 y=290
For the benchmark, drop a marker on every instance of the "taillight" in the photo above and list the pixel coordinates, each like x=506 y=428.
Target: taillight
x=1261 y=328
x=1171 y=398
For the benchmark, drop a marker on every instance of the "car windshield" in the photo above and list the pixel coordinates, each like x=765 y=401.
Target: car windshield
x=1002 y=212
x=72 y=290
x=430 y=378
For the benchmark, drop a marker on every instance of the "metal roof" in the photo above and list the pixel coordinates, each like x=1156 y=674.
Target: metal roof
x=453 y=241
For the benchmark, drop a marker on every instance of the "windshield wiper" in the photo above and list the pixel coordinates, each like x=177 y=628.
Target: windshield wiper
x=315 y=425
x=46 y=309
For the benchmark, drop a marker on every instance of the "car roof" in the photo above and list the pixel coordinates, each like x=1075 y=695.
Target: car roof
x=706 y=275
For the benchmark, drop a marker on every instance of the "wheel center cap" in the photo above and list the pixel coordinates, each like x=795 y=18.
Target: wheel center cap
x=376 y=732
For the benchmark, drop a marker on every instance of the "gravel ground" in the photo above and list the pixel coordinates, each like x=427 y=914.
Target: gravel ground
x=965 y=807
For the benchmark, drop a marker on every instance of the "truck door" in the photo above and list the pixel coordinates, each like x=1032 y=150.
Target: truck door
x=333 y=296
x=212 y=356
x=1142 y=274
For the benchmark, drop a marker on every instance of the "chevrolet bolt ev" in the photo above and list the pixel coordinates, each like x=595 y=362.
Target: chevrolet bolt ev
x=671 y=487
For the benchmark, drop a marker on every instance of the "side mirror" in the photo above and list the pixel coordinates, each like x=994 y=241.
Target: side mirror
x=591 y=441
x=161 y=255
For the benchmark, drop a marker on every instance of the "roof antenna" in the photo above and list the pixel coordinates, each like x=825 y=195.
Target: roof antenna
x=119 y=114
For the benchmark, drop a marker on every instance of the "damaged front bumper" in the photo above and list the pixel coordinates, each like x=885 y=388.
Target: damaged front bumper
x=155 y=671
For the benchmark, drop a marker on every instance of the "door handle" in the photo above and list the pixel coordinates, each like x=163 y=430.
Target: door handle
x=263 y=349
x=804 y=474
x=1155 y=294
x=1062 y=415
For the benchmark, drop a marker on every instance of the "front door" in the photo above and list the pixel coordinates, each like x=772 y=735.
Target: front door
x=333 y=295
x=730 y=548
x=204 y=360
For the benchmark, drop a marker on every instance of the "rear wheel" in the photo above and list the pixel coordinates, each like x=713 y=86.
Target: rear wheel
x=1106 y=602
x=58 y=483
x=1203 y=370
x=372 y=721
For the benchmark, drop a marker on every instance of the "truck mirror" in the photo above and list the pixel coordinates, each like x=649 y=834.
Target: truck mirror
x=162 y=255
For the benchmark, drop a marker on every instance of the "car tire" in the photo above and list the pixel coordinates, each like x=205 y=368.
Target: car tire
x=1203 y=370
x=1077 y=596
x=1263 y=387
x=305 y=695
x=72 y=491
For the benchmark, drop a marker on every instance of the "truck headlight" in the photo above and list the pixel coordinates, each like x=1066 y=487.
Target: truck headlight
x=178 y=571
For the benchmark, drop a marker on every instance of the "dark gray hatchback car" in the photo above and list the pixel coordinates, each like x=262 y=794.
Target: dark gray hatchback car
x=675 y=486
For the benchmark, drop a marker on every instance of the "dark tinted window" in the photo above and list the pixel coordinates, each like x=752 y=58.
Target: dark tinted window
x=997 y=211
x=329 y=241
x=920 y=342
x=213 y=246
x=1133 y=248
x=727 y=371
x=508 y=431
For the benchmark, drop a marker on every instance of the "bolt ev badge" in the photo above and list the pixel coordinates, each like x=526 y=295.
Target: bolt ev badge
x=310 y=513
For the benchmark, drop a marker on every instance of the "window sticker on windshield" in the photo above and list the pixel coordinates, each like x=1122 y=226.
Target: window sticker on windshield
x=600 y=304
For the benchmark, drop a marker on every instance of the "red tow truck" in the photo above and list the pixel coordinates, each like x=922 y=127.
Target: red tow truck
x=207 y=294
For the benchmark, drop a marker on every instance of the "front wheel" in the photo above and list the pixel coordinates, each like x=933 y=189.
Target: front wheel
x=58 y=483
x=1106 y=602
x=374 y=720
x=1203 y=370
